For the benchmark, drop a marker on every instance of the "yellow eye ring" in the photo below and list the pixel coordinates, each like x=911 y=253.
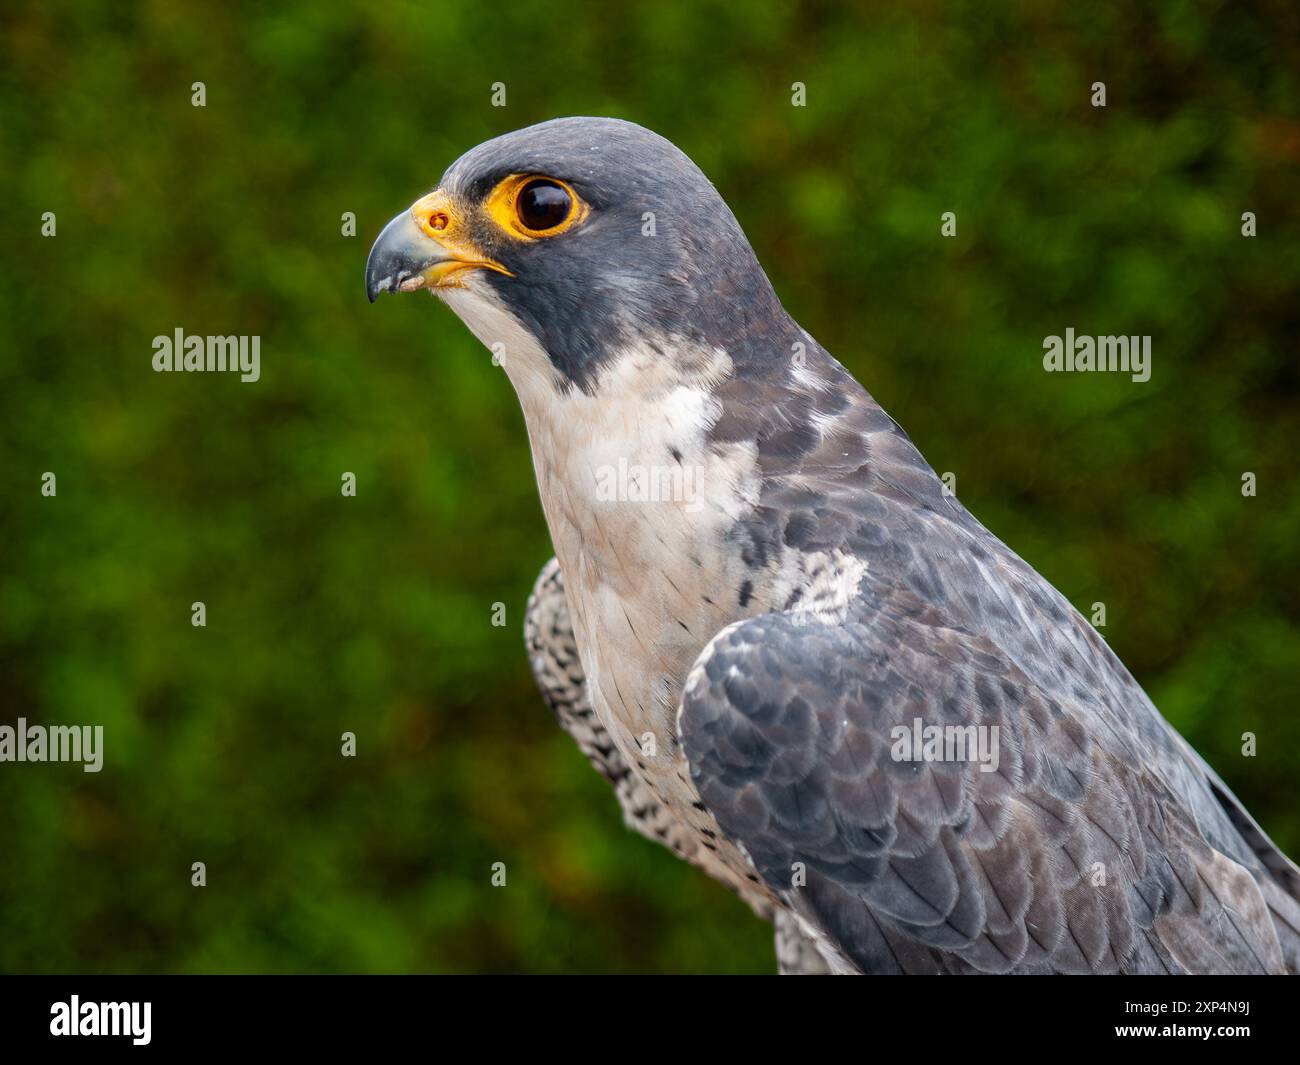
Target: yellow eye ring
x=533 y=206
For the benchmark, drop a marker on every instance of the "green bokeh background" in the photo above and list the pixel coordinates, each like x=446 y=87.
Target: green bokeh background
x=373 y=615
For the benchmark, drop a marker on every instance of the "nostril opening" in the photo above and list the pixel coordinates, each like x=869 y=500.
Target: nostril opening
x=437 y=221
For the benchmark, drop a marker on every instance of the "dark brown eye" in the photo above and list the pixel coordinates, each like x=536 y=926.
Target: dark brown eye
x=543 y=205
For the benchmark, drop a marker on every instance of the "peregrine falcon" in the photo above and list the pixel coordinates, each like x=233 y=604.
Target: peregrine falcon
x=804 y=666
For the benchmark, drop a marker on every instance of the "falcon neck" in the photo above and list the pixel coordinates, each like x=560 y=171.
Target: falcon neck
x=642 y=504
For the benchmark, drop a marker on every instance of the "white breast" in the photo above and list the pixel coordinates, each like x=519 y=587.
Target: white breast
x=638 y=504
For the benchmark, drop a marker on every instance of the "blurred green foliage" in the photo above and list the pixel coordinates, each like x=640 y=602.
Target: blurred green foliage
x=328 y=614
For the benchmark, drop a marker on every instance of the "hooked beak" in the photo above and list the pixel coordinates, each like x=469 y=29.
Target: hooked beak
x=423 y=248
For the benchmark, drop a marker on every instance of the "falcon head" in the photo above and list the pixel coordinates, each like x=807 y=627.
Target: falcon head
x=586 y=234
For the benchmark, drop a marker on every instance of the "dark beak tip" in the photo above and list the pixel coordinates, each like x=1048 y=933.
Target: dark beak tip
x=376 y=284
